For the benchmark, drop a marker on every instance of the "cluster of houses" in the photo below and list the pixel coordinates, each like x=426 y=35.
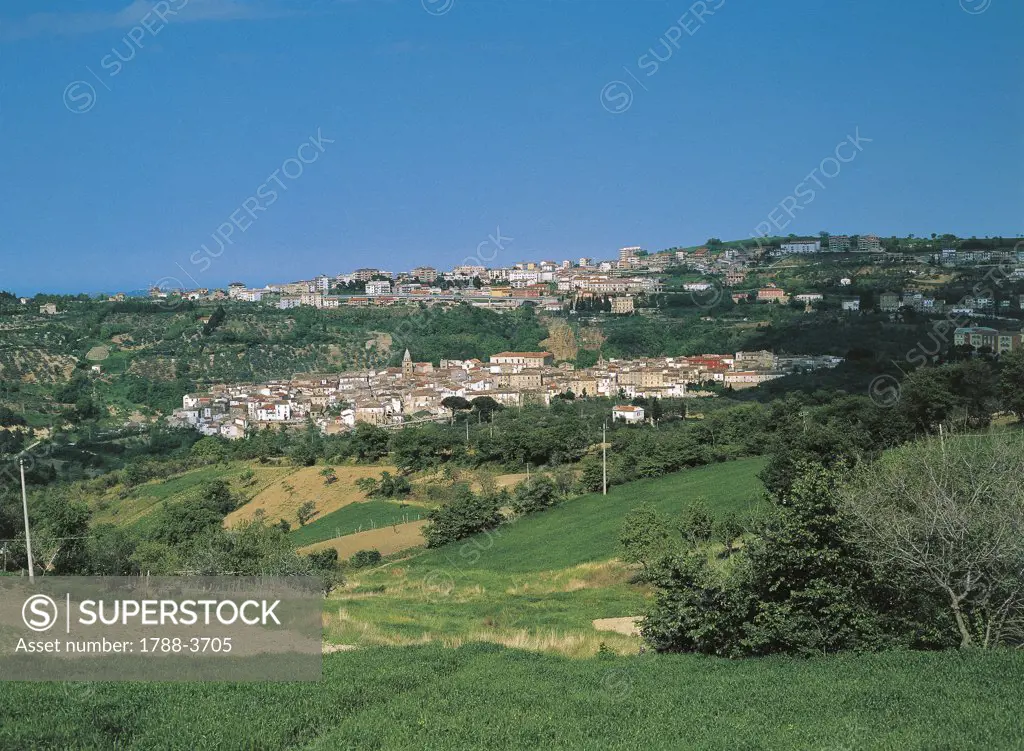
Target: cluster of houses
x=416 y=391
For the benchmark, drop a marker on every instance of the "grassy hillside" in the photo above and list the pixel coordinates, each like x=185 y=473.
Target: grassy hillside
x=486 y=697
x=587 y=529
x=537 y=583
x=275 y=490
x=356 y=517
x=135 y=506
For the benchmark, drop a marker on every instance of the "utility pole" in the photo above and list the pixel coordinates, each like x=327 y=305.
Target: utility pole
x=604 y=458
x=467 y=430
x=24 y=506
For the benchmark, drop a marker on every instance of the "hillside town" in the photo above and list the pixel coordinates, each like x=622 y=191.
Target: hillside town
x=417 y=392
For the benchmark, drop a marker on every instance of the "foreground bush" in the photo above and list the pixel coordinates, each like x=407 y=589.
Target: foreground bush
x=466 y=514
x=801 y=586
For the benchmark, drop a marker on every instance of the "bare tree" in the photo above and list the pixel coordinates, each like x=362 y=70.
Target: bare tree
x=946 y=516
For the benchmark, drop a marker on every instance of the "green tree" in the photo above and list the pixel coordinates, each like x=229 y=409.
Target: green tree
x=181 y=522
x=802 y=586
x=369 y=442
x=156 y=558
x=926 y=399
x=644 y=538
x=465 y=514
x=368 y=485
x=728 y=530
x=485 y=406
x=536 y=494
x=305 y=512
x=656 y=410
x=208 y=450
x=697 y=524
x=364 y=558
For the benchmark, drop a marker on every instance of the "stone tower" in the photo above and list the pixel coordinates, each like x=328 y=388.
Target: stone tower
x=407 y=366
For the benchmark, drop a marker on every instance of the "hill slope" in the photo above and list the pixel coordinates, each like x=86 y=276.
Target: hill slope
x=536 y=583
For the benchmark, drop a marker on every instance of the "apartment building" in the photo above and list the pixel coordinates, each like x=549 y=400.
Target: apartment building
x=425 y=274
x=889 y=302
x=869 y=244
x=980 y=337
x=839 y=243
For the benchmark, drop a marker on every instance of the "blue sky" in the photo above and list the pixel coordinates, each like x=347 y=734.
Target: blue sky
x=442 y=121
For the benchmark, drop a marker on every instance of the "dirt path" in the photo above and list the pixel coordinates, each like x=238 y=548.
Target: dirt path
x=630 y=626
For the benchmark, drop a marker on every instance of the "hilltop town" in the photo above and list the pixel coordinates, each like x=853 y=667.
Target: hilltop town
x=787 y=271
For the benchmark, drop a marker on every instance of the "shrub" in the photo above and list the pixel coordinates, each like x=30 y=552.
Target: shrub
x=305 y=512
x=365 y=558
x=466 y=514
x=537 y=494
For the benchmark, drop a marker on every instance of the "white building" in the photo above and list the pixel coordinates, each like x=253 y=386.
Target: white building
x=850 y=303
x=523 y=278
x=276 y=412
x=628 y=413
x=378 y=288
x=801 y=246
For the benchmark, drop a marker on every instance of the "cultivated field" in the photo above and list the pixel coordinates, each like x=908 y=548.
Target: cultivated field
x=282 y=498
x=387 y=540
x=359 y=517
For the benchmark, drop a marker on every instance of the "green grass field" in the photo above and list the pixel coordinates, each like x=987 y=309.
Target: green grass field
x=537 y=583
x=356 y=517
x=484 y=696
x=587 y=529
